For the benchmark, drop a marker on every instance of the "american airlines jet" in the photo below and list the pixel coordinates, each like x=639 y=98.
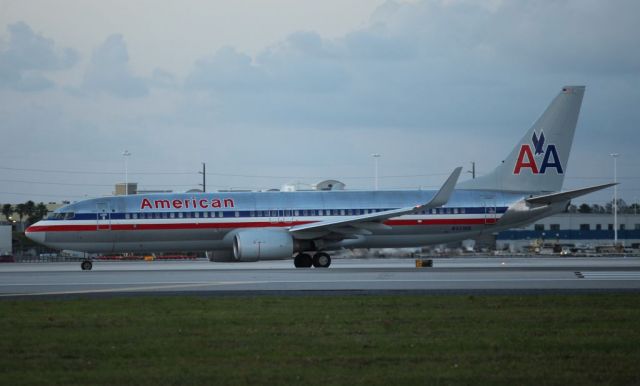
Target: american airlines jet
x=252 y=226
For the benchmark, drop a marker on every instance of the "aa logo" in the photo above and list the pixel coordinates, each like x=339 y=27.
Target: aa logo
x=529 y=157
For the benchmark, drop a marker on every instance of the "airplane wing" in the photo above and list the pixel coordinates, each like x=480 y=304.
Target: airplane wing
x=374 y=220
x=566 y=195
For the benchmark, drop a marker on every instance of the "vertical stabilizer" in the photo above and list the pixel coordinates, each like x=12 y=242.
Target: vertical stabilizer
x=538 y=163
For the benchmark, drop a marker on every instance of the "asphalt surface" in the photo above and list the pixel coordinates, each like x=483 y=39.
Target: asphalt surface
x=345 y=276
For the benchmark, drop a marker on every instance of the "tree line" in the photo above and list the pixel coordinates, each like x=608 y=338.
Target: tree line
x=29 y=210
x=623 y=208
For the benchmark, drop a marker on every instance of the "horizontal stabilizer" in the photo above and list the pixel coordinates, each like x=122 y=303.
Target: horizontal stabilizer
x=567 y=195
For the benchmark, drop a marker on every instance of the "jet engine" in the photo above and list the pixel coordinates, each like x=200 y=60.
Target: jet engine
x=262 y=244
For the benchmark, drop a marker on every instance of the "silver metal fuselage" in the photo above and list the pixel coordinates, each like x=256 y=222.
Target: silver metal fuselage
x=208 y=221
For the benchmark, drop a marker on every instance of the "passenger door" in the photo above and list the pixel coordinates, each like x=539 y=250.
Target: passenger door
x=490 y=210
x=103 y=217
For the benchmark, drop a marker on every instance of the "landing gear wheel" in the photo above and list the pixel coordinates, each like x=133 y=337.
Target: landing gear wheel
x=86 y=265
x=321 y=260
x=302 y=260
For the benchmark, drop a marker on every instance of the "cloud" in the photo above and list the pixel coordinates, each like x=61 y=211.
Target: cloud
x=421 y=76
x=109 y=72
x=27 y=56
x=163 y=79
x=226 y=71
x=417 y=64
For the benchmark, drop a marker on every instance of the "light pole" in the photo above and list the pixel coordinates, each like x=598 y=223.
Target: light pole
x=473 y=170
x=376 y=157
x=615 y=197
x=126 y=154
x=204 y=177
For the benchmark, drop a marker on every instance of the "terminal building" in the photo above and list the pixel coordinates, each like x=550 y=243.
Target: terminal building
x=573 y=230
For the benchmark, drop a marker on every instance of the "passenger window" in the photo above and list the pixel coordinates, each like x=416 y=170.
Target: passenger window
x=127 y=216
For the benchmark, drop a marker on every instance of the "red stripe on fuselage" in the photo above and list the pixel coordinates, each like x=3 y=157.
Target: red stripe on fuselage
x=228 y=225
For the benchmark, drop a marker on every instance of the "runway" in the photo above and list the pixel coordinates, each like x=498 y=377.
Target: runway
x=459 y=275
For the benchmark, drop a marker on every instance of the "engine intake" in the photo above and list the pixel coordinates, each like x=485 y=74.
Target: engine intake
x=262 y=244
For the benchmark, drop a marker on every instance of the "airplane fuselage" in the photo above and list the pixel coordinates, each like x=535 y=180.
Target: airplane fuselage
x=205 y=221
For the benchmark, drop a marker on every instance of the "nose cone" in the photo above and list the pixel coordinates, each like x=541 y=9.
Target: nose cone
x=34 y=234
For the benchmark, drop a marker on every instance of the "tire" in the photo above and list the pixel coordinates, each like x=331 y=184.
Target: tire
x=321 y=260
x=302 y=260
x=86 y=265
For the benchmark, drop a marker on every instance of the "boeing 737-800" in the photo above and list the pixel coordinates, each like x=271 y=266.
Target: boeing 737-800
x=252 y=226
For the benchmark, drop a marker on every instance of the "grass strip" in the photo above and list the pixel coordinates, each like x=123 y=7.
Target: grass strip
x=357 y=340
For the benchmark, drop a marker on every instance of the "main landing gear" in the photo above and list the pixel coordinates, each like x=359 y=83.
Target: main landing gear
x=86 y=265
x=319 y=260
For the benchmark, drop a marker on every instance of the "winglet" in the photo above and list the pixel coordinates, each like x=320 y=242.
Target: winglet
x=443 y=195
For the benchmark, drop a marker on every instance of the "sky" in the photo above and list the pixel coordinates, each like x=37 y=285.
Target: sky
x=267 y=92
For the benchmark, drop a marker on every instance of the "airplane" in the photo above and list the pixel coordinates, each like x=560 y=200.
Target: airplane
x=307 y=225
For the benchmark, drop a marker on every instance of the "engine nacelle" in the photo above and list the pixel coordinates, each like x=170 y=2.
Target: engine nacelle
x=262 y=244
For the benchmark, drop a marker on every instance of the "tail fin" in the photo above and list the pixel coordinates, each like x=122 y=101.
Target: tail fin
x=539 y=161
